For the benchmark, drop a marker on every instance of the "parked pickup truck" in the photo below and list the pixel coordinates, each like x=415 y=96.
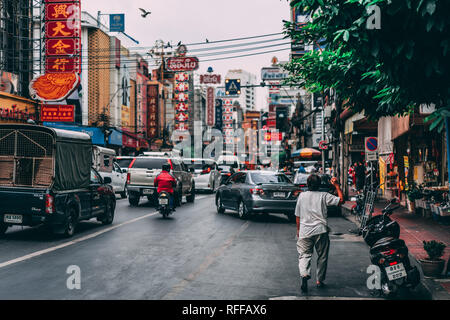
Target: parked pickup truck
x=143 y=171
x=46 y=177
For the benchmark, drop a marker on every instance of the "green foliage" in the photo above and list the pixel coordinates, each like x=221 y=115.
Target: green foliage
x=386 y=71
x=434 y=249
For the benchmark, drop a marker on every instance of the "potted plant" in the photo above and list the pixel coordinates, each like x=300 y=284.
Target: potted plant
x=433 y=265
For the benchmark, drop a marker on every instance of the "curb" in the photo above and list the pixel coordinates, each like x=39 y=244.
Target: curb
x=431 y=286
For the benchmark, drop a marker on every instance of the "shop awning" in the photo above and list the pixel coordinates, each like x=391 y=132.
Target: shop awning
x=129 y=139
x=97 y=136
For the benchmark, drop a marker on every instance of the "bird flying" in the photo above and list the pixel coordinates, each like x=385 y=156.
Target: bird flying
x=145 y=13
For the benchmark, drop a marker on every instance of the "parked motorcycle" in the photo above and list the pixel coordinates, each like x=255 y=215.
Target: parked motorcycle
x=390 y=253
x=164 y=206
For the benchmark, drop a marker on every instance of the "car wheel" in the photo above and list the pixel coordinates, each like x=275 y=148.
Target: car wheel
x=124 y=194
x=3 y=228
x=108 y=216
x=71 y=223
x=133 y=200
x=191 y=197
x=242 y=210
x=219 y=205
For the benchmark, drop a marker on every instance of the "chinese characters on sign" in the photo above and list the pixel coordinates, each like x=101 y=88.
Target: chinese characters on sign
x=152 y=111
x=62 y=36
x=182 y=101
x=210 y=105
x=228 y=120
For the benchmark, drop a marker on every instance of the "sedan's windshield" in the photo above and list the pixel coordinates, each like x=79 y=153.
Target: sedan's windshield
x=268 y=178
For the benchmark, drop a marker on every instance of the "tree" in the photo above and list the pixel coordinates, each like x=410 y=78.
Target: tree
x=385 y=71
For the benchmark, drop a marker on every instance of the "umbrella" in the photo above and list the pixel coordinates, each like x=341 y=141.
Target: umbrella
x=306 y=153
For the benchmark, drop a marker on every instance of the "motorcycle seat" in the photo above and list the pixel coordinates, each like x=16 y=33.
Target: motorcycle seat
x=388 y=241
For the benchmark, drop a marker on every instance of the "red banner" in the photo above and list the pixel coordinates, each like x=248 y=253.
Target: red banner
x=57 y=113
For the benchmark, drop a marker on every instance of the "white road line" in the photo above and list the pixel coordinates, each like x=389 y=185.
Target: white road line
x=64 y=245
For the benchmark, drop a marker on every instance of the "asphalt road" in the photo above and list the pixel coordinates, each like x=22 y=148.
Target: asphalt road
x=196 y=254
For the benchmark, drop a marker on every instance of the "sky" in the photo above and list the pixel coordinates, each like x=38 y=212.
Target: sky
x=194 y=21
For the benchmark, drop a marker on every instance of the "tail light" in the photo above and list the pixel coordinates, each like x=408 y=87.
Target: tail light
x=393 y=263
x=206 y=171
x=257 y=191
x=49 y=204
x=389 y=252
x=296 y=193
x=128 y=178
x=171 y=164
x=132 y=163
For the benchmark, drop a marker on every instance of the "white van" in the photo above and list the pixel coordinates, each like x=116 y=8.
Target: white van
x=103 y=160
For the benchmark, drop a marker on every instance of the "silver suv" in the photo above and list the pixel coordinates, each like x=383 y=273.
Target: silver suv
x=144 y=170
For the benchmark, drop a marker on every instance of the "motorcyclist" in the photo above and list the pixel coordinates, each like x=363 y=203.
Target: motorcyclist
x=166 y=182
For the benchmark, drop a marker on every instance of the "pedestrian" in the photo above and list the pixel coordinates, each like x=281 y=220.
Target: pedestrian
x=301 y=169
x=312 y=228
x=360 y=173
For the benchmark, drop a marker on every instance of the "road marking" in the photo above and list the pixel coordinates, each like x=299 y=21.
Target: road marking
x=64 y=245
x=205 y=264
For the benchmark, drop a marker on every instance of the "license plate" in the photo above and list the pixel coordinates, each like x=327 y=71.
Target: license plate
x=396 y=272
x=163 y=201
x=147 y=191
x=279 y=195
x=12 y=218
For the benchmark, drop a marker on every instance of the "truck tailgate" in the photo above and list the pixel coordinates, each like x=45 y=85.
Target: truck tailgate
x=143 y=177
x=22 y=201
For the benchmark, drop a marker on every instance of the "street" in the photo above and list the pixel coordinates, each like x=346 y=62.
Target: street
x=196 y=254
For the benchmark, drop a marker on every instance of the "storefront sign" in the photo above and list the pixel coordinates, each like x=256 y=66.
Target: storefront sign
x=210 y=79
x=273 y=74
x=152 y=100
x=58 y=113
x=182 y=64
x=14 y=109
x=210 y=105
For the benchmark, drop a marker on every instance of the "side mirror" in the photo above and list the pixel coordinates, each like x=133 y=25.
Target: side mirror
x=107 y=180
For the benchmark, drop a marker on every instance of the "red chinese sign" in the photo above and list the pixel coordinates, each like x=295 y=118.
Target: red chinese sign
x=210 y=106
x=152 y=111
x=58 y=113
x=182 y=100
x=182 y=64
x=63 y=36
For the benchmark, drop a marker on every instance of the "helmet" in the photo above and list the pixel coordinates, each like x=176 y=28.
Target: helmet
x=166 y=167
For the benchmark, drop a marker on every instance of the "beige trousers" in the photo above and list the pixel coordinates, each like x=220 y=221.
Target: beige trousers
x=305 y=249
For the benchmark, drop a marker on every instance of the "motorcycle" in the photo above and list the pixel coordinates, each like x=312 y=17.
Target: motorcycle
x=164 y=206
x=390 y=253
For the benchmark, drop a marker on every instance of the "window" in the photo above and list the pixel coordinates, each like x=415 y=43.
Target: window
x=238 y=178
x=269 y=178
x=124 y=163
x=149 y=163
x=95 y=178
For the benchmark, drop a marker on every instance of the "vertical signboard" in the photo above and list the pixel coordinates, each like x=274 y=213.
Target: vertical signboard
x=141 y=103
x=228 y=120
x=219 y=114
x=152 y=111
x=62 y=36
x=182 y=101
x=210 y=106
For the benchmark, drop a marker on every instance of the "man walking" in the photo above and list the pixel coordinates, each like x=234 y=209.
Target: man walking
x=312 y=228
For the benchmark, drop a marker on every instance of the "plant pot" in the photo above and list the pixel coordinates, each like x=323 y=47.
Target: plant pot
x=432 y=268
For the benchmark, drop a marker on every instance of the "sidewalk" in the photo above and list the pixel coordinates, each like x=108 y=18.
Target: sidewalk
x=415 y=229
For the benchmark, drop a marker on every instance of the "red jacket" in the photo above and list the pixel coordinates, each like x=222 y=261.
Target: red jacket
x=165 y=182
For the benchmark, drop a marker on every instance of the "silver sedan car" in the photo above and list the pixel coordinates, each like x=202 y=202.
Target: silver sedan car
x=205 y=172
x=258 y=192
